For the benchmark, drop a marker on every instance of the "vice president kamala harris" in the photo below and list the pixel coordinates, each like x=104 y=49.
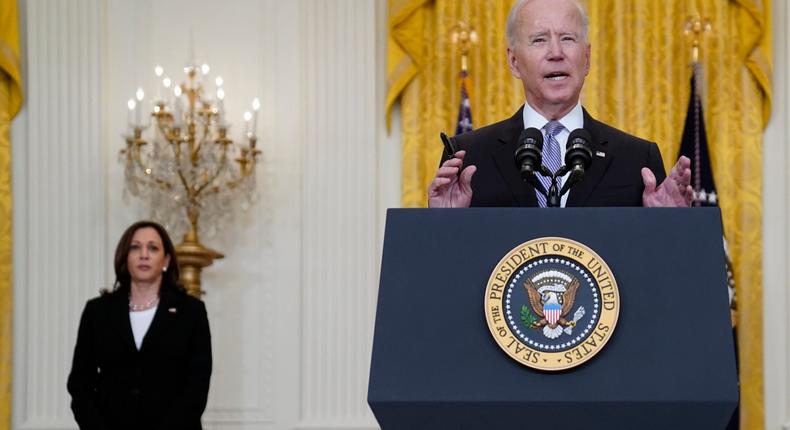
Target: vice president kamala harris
x=143 y=353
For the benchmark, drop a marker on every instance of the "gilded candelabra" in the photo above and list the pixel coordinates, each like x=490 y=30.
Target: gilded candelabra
x=182 y=160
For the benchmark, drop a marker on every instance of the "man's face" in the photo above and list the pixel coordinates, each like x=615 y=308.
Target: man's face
x=550 y=56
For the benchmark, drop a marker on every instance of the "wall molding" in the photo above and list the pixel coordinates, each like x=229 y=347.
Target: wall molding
x=776 y=235
x=58 y=181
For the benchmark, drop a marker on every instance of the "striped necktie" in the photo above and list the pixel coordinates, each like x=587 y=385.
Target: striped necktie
x=551 y=157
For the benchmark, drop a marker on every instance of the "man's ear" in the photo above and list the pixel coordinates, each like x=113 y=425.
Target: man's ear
x=512 y=62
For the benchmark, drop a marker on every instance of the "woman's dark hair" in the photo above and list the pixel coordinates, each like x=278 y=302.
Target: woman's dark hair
x=123 y=279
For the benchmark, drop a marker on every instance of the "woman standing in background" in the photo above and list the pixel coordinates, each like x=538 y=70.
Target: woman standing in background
x=143 y=353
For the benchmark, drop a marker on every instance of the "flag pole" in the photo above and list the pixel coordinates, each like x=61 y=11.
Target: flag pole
x=464 y=37
x=695 y=29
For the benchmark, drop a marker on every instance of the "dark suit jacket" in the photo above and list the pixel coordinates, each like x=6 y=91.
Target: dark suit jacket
x=612 y=180
x=164 y=385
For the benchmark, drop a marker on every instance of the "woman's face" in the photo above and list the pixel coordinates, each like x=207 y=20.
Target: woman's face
x=147 y=257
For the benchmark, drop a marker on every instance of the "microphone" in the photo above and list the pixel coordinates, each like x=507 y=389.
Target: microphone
x=529 y=156
x=578 y=157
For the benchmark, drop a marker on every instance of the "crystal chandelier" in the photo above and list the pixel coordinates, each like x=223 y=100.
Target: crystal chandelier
x=181 y=160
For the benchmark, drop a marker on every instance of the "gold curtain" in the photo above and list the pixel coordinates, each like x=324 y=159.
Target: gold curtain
x=423 y=72
x=639 y=82
x=10 y=103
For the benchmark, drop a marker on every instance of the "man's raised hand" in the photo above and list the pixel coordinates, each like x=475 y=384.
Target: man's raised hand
x=449 y=189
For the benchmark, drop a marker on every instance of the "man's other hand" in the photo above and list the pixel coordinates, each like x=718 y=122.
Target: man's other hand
x=675 y=191
x=449 y=189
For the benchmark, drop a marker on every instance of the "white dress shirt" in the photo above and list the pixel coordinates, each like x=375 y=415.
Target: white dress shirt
x=141 y=322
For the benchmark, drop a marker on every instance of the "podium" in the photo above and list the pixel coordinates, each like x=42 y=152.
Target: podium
x=669 y=364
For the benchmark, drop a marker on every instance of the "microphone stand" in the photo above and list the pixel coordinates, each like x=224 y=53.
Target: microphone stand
x=554 y=195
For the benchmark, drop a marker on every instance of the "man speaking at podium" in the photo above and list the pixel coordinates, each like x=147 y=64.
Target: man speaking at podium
x=548 y=50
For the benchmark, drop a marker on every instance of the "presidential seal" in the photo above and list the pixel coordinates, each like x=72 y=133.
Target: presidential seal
x=552 y=303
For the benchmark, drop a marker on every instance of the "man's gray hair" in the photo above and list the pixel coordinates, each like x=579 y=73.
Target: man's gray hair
x=512 y=17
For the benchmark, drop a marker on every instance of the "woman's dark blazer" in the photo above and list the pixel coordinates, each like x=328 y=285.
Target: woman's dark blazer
x=164 y=385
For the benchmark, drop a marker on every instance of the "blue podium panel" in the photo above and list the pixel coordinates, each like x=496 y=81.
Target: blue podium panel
x=670 y=363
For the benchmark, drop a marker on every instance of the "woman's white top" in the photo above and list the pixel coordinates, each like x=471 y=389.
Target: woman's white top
x=141 y=321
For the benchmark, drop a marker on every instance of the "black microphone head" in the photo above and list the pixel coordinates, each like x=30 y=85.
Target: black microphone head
x=529 y=153
x=577 y=150
x=531 y=136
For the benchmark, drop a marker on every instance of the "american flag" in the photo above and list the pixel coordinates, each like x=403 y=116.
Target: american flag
x=695 y=147
x=465 y=108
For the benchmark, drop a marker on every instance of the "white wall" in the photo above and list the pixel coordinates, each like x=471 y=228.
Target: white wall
x=291 y=306
x=776 y=236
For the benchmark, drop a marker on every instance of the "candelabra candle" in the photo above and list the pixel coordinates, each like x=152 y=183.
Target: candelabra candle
x=247 y=118
x=140 y=94
x=131 y=104
x=158 y=71
x=221 y=105
x=166 y=84
x=204 y=69
x=256 y=105
x=177 y=106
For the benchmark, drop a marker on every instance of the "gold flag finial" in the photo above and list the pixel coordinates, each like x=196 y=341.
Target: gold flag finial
x=694 y=29
x=464 y=36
